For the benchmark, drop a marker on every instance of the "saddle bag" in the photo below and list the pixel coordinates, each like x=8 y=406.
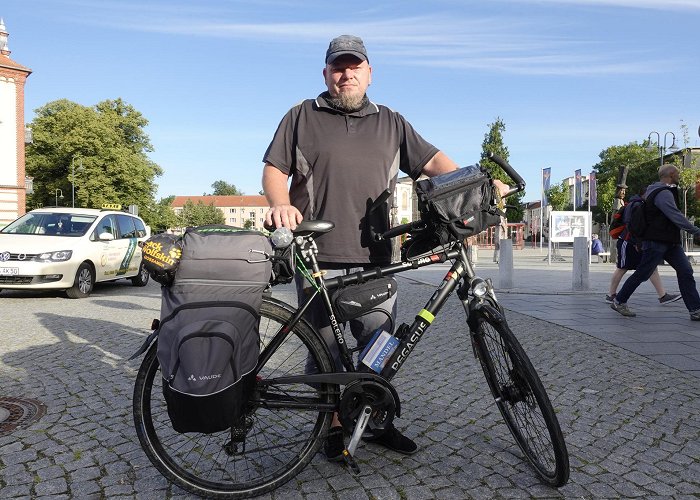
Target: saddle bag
x=461 y=201
x=208 y=339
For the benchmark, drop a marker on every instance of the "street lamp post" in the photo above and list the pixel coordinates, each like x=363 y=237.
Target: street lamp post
x=57 y=191
x=662 y=149
x=72 y=182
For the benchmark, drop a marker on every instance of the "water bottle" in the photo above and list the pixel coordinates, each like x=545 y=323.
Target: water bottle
x=281 y=237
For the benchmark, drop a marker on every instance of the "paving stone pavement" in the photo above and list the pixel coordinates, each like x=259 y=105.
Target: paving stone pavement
x=631 y=423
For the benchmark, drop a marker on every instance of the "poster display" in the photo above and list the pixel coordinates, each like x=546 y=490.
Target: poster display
x=565 y=226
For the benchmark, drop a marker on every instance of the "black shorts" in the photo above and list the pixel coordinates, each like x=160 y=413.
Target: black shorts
x=628 y=257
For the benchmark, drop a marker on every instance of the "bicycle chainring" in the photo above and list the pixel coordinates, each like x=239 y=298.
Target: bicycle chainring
x=361 y=393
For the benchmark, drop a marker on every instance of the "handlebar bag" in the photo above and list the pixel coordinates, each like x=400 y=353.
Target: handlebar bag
x=208 y=338
x=462 y=200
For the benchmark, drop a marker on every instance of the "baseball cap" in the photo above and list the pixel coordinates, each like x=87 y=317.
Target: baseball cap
x=346 y=44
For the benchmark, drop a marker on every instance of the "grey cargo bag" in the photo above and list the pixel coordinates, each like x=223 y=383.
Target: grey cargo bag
x=208 y=339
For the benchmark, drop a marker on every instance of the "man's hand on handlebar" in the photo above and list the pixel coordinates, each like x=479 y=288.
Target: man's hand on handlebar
x=283 y=216
x=502 y=187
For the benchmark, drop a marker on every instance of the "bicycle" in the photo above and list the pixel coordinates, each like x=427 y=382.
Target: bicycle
x=290 y=412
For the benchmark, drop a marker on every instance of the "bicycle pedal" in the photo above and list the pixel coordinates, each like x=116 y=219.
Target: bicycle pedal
x=351 y=463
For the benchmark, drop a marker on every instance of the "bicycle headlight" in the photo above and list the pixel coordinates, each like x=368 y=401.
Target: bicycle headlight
x=60 y=256
x=479 y=288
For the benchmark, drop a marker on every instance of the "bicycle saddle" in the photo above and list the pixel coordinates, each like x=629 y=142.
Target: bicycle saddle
x=308 y=227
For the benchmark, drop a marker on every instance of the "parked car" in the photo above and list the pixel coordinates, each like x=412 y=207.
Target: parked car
x=71 y=249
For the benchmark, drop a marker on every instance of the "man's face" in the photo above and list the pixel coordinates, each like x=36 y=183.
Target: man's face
x=675 y=176
x=348 y=77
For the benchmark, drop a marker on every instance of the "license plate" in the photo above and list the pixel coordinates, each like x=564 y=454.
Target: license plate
x=9 y=271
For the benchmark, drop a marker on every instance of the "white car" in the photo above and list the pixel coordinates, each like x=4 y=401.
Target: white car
x=71 y=249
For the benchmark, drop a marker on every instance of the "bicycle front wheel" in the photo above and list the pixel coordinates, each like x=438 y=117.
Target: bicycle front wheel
x=521 y=398
x=284 y=426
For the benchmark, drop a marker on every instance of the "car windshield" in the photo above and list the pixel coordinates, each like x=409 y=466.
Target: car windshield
x=51 y=224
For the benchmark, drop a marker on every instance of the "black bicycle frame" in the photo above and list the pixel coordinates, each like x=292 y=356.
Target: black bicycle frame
x=460 y=268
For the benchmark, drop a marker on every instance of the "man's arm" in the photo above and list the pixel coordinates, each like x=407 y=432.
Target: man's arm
x=281 y=213
x=441 y=164
x=667 y=204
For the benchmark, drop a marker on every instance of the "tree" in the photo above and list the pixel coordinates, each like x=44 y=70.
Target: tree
x=559 y=196
x=493 y=143
x=248 y=224
x=200 y=214
x=161 y=215
x=223 y=188
x=642 y=166
x=105 y=145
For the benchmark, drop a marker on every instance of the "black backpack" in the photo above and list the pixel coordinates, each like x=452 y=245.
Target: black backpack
x=208 y=339
x=637 y=225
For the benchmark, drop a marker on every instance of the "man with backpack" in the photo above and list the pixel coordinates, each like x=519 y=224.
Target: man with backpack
x=629 y=253
x=661 y=240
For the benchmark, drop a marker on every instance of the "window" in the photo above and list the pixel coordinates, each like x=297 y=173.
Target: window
x=127 y=228
x=232 y=210
x=107 y=225
x=140 y=228
x=251 y=215
x=261 y=210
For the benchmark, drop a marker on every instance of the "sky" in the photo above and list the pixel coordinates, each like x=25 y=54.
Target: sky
x=568 y=78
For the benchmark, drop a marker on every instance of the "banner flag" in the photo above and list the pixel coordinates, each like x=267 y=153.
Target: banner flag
x=592 y=190
x=546 y=174
x=577 y=189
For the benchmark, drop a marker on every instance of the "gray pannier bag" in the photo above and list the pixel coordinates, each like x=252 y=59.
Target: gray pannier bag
x=208 y=339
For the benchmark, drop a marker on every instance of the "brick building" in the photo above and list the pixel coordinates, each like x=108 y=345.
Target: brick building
x=13 y=188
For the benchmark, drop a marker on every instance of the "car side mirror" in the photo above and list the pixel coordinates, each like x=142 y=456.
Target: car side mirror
x=105 y=236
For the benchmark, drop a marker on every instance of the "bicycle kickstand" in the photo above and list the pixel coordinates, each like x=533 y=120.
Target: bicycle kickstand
x=348 y=452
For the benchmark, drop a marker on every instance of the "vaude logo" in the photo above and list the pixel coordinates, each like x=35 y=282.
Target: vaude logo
x=192 y=378
x=4 y=256
x=351 y=303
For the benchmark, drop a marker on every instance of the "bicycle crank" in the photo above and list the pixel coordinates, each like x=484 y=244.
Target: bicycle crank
x=367 y=393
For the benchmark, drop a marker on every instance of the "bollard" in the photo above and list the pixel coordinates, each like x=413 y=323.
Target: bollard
x=505 y=264
x=582 y=261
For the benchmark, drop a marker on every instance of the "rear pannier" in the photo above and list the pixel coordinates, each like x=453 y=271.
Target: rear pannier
x=208 y=339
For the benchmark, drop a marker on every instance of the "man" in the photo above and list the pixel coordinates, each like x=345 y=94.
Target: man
x=662 y=241
x=342 y=151
x=629 y=256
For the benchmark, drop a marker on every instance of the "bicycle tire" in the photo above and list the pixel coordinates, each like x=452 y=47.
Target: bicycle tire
x=521 y=398
x=280 y=442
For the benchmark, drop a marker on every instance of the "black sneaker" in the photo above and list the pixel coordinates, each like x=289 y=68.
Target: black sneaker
x=334 y=445
x=695 y=315
x=668 y=298
x=395 y=441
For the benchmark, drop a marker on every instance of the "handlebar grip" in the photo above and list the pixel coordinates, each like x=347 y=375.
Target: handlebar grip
x=379 y=201
x=400 y=229
x=510 y=171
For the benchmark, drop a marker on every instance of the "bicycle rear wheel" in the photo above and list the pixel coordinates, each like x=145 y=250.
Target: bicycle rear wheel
x=521 y=398
x=284 y=426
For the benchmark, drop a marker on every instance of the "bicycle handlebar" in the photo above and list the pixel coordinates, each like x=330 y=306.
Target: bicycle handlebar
x=510 y=172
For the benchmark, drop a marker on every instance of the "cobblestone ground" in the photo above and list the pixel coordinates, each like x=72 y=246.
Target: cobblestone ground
x=632 y=426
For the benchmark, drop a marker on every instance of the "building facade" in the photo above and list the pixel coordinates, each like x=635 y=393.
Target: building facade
x=12 y=133
x=236 y=209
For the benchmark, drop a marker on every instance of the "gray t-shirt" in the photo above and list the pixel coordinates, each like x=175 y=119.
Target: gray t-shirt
x=341 y=162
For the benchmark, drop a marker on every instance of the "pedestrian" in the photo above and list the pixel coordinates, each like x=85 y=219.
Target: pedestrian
x=662 y=241
x=628 y=256
x=340 y=150
x=596 y=245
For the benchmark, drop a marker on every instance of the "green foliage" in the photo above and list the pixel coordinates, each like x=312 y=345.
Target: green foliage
x=493 y=143
x=104 y=145
x=248 y=224
x=200 y=214
x=223 y=188
x=559 y=196
x=160 y=215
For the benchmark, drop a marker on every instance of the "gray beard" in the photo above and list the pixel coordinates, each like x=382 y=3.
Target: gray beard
x=347 y=103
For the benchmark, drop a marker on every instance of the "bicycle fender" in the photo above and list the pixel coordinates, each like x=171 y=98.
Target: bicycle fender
x=486 y=308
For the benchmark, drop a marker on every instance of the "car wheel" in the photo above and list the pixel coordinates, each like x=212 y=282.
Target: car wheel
x=141 y=279
x=84 y=282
